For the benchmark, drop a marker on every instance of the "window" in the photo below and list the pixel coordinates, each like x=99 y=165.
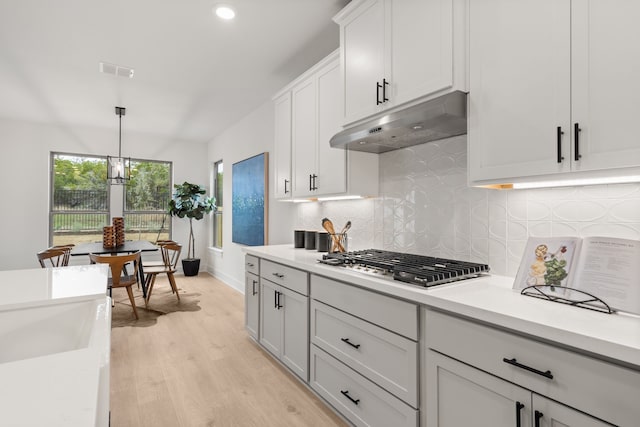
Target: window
x=79 y=201
x=217 y=215
x=147 y=197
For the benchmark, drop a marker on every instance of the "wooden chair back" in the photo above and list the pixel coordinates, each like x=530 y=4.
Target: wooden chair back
x=52 y=257
x=171 y=254
x=66 y=248
x=116 y=264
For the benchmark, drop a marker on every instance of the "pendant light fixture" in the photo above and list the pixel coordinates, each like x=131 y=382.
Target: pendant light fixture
x=119 y=168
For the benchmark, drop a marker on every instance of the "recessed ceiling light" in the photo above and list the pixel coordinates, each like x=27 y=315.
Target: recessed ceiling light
x=224 y=11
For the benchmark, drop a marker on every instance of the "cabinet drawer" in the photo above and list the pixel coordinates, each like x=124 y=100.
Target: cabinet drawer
x=390 y=313
x=600 y=388
x=362 y=402
x=296 y=280
x=251 y=264
x=389 y=360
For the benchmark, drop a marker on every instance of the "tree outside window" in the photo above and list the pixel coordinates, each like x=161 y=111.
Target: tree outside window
x=79 y=200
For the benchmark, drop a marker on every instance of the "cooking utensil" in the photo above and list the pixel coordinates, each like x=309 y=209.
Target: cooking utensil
x=328 y=225
x=346 y=227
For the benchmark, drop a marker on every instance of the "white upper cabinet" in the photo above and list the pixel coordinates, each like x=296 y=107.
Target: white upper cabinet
x=605 y=85
x=317 y=169
x=397 y=51
x=282 y=146
x=552 y=89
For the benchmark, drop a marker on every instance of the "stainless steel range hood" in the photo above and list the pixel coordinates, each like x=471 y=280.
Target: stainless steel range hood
x=439 y=118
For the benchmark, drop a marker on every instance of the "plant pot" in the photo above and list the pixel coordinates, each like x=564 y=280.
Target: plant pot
x=190 y=266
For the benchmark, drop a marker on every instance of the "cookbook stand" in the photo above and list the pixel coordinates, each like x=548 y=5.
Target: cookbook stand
x=570 y=296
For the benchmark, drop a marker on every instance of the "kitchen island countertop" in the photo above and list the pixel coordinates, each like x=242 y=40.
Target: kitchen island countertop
x=491 y=299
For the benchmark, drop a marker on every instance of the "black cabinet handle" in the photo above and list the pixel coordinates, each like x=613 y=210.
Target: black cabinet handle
x=537 y=416
x=560 y=133
x=346 y=394
x=519 y=407
x=310 y=184
x=253 y=286
x=313 y=178
x=385 y=83
x=285 y=186
x=278 y=305
x=378 y=86
x=346 y=340
x=576 y=142
x=514 y=362
x=278 y=275
x=275 y=299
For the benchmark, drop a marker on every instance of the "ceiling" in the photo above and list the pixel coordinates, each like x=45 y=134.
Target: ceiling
x=195 y=75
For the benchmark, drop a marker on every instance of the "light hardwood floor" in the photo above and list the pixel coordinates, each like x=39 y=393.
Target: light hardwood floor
x=199 y=367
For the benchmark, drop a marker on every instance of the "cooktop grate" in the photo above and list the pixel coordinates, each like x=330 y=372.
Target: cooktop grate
x=414 y=269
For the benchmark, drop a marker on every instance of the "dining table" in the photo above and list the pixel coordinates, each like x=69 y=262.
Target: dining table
x=129 y=247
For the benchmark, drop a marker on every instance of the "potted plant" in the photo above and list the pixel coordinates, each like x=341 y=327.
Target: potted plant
x=189 y=201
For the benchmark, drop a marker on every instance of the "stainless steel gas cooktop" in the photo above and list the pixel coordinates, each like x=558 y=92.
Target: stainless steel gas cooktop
x=417 y=270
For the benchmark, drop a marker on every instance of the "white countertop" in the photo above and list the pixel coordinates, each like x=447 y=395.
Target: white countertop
x=490 y=299
x=41 y=286
x=55 y=340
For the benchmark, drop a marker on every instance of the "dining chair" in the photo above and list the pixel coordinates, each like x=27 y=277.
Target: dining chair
x=170 y=256
x=52 y=257
x=161 y=263
x=118 y=278
x=67 y=248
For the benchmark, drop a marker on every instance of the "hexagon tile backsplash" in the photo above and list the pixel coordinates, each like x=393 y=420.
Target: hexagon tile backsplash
x=426 y=207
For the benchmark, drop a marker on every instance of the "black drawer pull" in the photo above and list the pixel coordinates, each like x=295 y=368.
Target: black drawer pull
x=278 y=305
x=514 y=362
x=385 y=83
x=560 y=156
x=576 y=142
x=278 y=275
x=538 y=415
x=378 y=86
x=253 y=290
x=519 y=407
x=286 y=181
x=346 y=394
x=346 y=340
x=250 y=264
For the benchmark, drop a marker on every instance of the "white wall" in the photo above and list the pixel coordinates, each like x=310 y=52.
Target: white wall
x=251 y=136
x=24 y=171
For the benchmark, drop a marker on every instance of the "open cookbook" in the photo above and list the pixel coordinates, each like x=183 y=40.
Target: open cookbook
x=605 y=267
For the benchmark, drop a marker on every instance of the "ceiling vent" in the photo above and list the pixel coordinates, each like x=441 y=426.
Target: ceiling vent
x=116 y=70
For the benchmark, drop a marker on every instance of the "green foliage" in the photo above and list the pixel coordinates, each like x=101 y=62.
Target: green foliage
x=79 y=173
x=189 y=201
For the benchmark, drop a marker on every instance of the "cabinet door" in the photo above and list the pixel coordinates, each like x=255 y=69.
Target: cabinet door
x=605 y=83
x=421 y=48
x=459 y=395
x=304 y=118
x=552 y=414
x=363 y=50
x=332 y=165
x=295 y=332
x=270 y=317
x=519 y=73
x=251 y=304
x=282 y=146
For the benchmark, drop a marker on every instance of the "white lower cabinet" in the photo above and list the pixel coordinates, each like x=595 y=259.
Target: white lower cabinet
x=359 y=400
x=252 y=295
x=284 y=326
x=478 y=375
x=461 y=395
x=252 y=304
x=364 y=353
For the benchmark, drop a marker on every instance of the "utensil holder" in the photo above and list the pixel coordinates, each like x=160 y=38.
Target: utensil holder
x=309 y=239
x=337 y=242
